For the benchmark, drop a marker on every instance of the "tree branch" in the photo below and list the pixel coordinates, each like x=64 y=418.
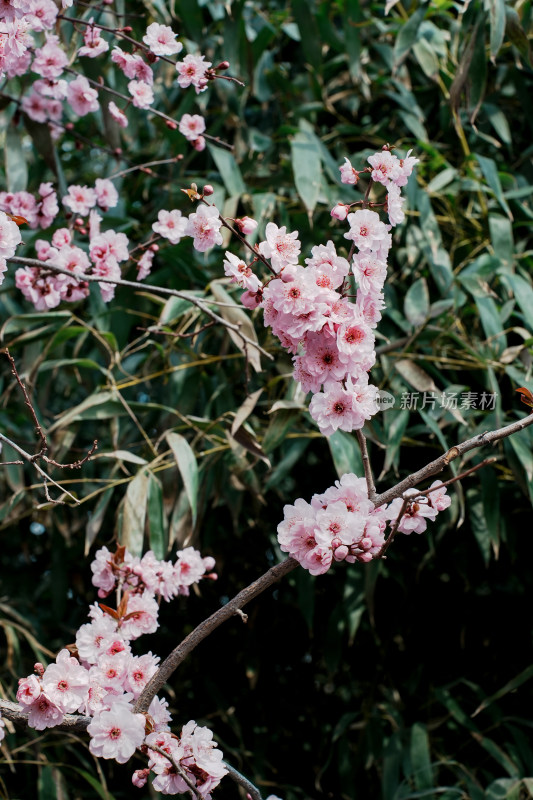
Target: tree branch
x=206 y=627
x=488 y=437
x=34 y=262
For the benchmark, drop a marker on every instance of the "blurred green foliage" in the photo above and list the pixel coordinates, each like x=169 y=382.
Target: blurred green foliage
x=365 y=682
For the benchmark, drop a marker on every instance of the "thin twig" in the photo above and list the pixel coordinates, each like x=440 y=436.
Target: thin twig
x=179 y=769
x=38 y=429
x=202 y=305
x=250 y=788
x=31 y=460
x=366 y=466
x=488 y=437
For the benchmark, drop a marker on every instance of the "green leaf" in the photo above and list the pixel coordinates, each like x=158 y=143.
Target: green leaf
x=46 y=784
x=490 y=173
x=229 y=170
x=416 y=305
x=186 y=461
x=503 y=789
x=523 y=294
x=15 y=162
x=497 y=25
x=420 y=757
x=306 y=21
x=156 y=517
x=96 y=518
x=476 y=515
x=501 y=236
x=345 y=453
x=516 y=34
x=237 y=317
x=352 y=37
x=510 y=686
x=408 y=35
x=134 y=513
x=307 y=168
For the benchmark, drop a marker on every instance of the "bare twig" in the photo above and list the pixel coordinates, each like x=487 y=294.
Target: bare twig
x=32 y=460
x=366 y=466
x=250 y=788
x=38 y=430
x=206 y=627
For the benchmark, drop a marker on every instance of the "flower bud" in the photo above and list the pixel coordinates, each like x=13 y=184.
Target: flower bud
x=171 y=124
x=340 y=211
x=199 y=144
x=246 y=225
x=222 y=65
x=340 y=553
x=154 y=248
x=208 y=189
x=251 y=300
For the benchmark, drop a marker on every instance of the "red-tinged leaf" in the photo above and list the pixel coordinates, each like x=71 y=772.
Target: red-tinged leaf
x=19 y=220
x=525 y=396
x=110 y=611
x=123 y=605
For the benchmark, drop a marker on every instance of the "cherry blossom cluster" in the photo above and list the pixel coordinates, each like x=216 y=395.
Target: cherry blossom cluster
x=49 y=58
x=38 y=212
x=342 y=524
x=100 y=677
x=310 y=309
x=149 y=574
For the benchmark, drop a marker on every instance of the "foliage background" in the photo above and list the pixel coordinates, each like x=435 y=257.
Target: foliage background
x=362 y=683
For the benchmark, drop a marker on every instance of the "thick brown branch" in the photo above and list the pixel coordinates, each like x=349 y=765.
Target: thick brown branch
x=206 y=627
x=489 y=437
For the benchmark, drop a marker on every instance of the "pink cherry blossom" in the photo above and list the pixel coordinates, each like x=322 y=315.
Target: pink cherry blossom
x=29 y=690
x=171 y=225
x=106 y=194
x=240 y=272
x=144 y=265
x=142 y=94
x=81 y=97
x=366 y=229
x=162 y=40
x=9 y=236
x=192 y=71
x=66 y=682
x=280 y=247
x=43 y=713
x=438 y=497
x=80 y=199
x=191 y=126
x=415 y=516
x=116 y=733
x=94 y=45
x=118 y=115
x=385 y=167
x=394 y=204
x=204 y=226
x=348 y=173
